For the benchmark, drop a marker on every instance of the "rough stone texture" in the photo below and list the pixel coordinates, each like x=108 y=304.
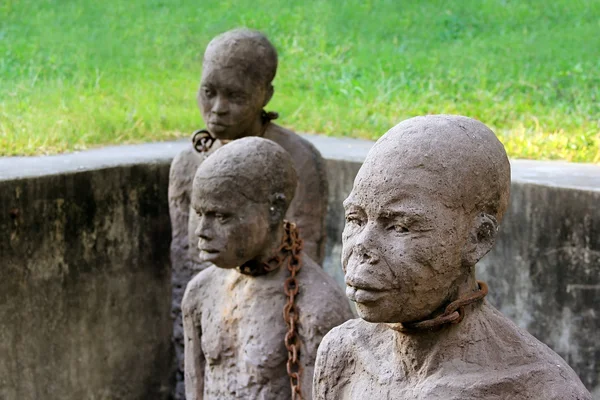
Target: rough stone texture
x=545 y=271
x=341 y=175
x=577 y=185
x=233 y=311
x=84 y=279
x=424 y=209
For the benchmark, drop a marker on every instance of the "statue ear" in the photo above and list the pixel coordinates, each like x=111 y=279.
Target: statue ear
x=277 y=208
x=481 y=238
x=269 y=94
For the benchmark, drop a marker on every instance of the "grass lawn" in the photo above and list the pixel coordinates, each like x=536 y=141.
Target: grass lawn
x=81 y=73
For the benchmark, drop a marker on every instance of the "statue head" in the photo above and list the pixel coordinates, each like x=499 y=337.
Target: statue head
x=237 y=73
x=241 y=193
x=425 y=208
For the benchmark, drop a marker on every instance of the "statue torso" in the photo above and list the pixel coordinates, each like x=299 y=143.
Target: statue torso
x=243 y=330
x=242 y=338
x=507 y=364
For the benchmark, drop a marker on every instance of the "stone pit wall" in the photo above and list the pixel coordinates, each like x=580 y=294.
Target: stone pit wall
x=85 y=274
x=84 y=280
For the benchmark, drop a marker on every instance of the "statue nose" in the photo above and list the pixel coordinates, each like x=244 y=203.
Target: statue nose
x=203 y=230
x=220 y=106
x=366 y=255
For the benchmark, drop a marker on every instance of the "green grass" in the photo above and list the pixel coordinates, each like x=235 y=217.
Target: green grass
x=81 y=73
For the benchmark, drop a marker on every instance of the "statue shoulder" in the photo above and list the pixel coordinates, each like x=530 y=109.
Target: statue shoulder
x=197 y=288
x=291 y=141
x=335 y=358
x=514 y=356
x=185 y=163
x=181 y=174
x=561 y=388
x=346 y=338
x=534 y=381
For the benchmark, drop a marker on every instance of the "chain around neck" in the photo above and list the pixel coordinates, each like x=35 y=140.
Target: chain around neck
x=203 y=140
x=453 y=314
x=289 y=241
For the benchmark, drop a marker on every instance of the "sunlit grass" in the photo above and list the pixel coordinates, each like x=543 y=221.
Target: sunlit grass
x=76 y=74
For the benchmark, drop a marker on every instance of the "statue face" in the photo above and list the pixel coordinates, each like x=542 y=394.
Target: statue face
x=231 y=229
x=402 y=243
x=230 y=102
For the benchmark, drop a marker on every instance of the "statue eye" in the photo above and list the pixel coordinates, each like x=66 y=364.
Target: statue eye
x=208 y=92
x=221 y=217
x=237 y=97
x=354 y=219
x=398 y=228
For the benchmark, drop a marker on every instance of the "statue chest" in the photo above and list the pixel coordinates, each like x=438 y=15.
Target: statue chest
x=244 y=335
x=377 y=374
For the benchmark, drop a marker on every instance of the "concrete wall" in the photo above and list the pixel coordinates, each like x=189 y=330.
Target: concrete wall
x=84 y=279
x=84 y=274
x=544 y=272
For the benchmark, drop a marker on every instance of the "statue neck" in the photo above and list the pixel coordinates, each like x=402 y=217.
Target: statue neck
x=275 y=239
x=264 y=263
x=422 y=352
x=259 y=127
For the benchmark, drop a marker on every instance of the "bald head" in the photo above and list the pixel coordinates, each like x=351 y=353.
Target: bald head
x=464 y=160
x=258 y=169
x=244 y=49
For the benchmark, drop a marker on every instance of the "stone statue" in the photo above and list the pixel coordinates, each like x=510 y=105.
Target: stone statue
x=236 y=84
x=424 y=209
x=264 y=305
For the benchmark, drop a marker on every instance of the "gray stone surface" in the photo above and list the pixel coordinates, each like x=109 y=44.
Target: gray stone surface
x=544 y=273
x=549 y=236
x=89 y=160
x=84 y=280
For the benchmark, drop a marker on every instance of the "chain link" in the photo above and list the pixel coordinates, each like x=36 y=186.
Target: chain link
x=453 y=314
x=202 y=140
x=293 y=245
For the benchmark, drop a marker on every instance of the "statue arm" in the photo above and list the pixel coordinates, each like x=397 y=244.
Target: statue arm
x=319 y=346
x=195 y=361
x=326 y=371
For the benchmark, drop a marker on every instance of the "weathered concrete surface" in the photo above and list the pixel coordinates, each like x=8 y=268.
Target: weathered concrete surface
x=84 y=280
x=544 y=272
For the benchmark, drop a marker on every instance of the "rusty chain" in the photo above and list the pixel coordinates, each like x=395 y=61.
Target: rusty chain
x=203 y=141
x=453 y=314
x=293 y=244
x=290 y=249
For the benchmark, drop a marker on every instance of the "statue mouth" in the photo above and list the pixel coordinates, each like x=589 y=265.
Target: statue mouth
x=357 y=281
x=217 y=124
x=364 y=295
x=209 y=251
